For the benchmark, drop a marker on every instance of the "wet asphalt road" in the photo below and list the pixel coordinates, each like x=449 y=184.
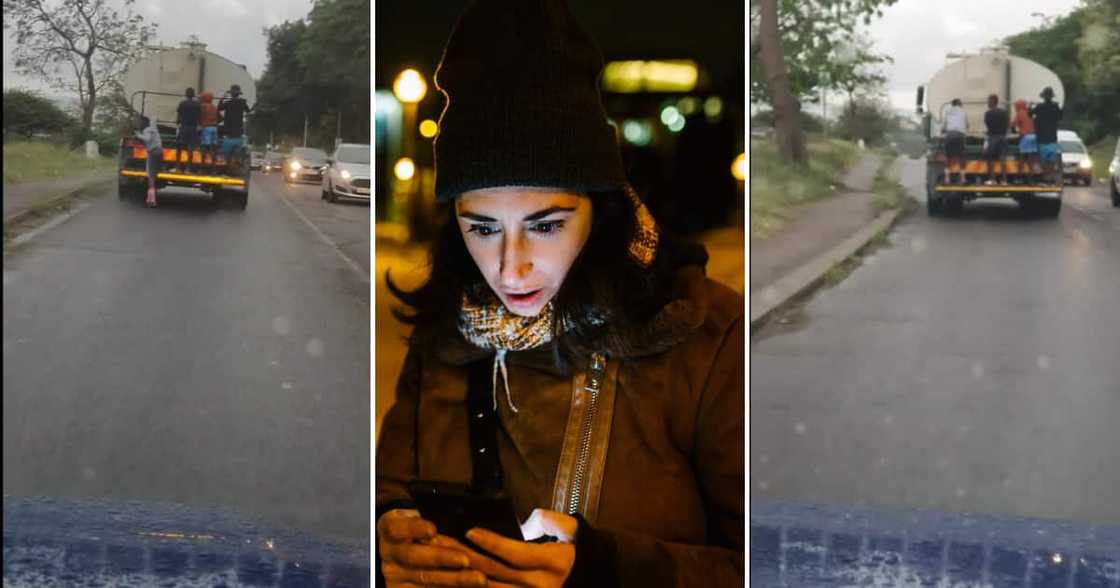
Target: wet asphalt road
x=972 y=365
x=196 y=355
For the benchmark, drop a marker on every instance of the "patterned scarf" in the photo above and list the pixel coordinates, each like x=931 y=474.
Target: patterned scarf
x=492 y=326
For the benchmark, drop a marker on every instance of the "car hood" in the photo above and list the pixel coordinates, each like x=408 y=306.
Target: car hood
x=1073 y=157
x=355 y=169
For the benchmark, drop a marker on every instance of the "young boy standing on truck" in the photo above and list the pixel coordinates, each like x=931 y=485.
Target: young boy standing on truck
x=1028 y=141
x=187 y=117
x=154 y=146
x=208 y=120
x=953 y=127
x=234 y=107
x=1046 y=117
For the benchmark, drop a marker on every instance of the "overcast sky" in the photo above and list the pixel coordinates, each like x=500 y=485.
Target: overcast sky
x=230 y=28
x=919 y=33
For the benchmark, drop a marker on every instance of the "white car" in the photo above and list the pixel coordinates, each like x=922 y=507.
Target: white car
x=1076 y=163
x=347 y=173
x=1114 y=176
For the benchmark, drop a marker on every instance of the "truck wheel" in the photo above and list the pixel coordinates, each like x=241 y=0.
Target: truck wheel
x=1115 y=194
x=127 y=190
x=217 y=195
x=1052 y=208
x=954 y=205
x=241 y=200
x=935 y=202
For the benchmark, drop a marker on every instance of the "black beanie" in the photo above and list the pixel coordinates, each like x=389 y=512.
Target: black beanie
x=521 y=83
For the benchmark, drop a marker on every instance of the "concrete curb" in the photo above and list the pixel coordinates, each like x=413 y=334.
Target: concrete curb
x=18 y=216
x=810 y=273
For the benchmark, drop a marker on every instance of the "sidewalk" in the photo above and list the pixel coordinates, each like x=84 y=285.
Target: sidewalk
x=20 y=198
x=818 y=228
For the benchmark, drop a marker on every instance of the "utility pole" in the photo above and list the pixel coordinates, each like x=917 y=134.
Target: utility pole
x=305 y=130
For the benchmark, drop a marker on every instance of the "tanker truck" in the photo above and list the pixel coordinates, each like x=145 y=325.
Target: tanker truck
x=154 y=86
x=971 y=78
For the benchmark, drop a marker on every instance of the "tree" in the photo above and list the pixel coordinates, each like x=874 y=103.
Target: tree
x=791 y=140
x=27 y=113
x=80 y=46
x=821 y=46
x=318 y=71
x=1080 y=49
x=869 y=119
x=799 y=42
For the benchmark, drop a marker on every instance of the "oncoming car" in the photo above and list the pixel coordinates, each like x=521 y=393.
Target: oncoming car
x=347 y=173
x=1076 y=163
x=305 y=164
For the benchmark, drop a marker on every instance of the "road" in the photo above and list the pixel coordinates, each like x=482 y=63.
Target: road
x=211 y=357
x=971 y=365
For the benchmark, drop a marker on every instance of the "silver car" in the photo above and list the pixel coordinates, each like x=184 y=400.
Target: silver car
x=347 y=173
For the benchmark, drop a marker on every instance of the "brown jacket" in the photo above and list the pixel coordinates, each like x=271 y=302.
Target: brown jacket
x=663 y=504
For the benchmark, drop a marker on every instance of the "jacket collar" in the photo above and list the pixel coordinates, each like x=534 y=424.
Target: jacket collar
x=672 y=324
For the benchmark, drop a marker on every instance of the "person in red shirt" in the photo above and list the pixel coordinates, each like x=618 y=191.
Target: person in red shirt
x=1028 y=141
x=208 y=120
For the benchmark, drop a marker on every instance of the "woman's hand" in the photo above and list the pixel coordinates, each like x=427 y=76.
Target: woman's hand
x=410 y=555
x=522 y=564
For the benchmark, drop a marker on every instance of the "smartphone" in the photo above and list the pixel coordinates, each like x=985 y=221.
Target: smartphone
x=457 y=508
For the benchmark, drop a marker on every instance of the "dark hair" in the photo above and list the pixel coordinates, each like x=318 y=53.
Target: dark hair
x=603 y=282
x=145 y=122
x=993 y=99
x=956 y=101
x=190 y=92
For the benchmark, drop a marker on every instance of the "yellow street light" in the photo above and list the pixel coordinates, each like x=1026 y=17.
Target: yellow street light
x=410 y=86
x=404 y=169
x=739 y=167
x=428 y=128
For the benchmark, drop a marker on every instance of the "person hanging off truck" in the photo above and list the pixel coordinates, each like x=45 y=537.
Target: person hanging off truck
x=187 y=117
x=153 y=145
x=1046 y=117
x=997 y=122
x=953 y=127
x=1023 y=125
x=208 y=120
x=233 y=109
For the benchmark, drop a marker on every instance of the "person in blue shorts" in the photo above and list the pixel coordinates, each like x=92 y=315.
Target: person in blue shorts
x=233 y=109
x=1046 y=116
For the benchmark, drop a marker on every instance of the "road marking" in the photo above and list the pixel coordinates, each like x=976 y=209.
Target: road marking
x=54 y=222
x=357 y=269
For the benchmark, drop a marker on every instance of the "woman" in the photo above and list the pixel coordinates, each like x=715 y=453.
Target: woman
x=612 y=368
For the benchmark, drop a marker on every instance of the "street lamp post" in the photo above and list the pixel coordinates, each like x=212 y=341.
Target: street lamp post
x=410 y=88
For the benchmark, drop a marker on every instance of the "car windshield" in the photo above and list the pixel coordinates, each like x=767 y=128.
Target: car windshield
x=353 y=154
x=309 y=154
x=1071 y=147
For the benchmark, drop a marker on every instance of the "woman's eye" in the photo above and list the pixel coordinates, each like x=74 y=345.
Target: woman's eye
x=548 y=227
x=482 y=230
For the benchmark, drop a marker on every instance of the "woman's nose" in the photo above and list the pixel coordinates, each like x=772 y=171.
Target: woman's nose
x=516 y=264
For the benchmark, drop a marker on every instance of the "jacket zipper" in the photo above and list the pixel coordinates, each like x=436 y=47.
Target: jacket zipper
x=594 y=382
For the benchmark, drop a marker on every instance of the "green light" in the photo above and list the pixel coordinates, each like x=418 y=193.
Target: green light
x=669 y=115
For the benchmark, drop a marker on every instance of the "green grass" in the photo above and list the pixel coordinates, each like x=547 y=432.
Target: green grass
x=778 y=187
x=32 y=161
x=1101 y=153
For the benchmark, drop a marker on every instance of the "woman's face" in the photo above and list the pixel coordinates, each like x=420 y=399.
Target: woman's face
x=524 y=240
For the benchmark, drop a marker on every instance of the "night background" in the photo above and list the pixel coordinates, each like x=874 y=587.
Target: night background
x=690 y=164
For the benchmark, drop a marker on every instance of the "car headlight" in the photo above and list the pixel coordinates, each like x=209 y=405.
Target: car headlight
x=345 y=174
x=296 y=166
x=1086 y=163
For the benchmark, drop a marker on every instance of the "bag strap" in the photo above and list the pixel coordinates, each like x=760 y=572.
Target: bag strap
x=483 y=428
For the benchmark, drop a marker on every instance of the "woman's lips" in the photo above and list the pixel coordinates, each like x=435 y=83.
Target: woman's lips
x=525 y=299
